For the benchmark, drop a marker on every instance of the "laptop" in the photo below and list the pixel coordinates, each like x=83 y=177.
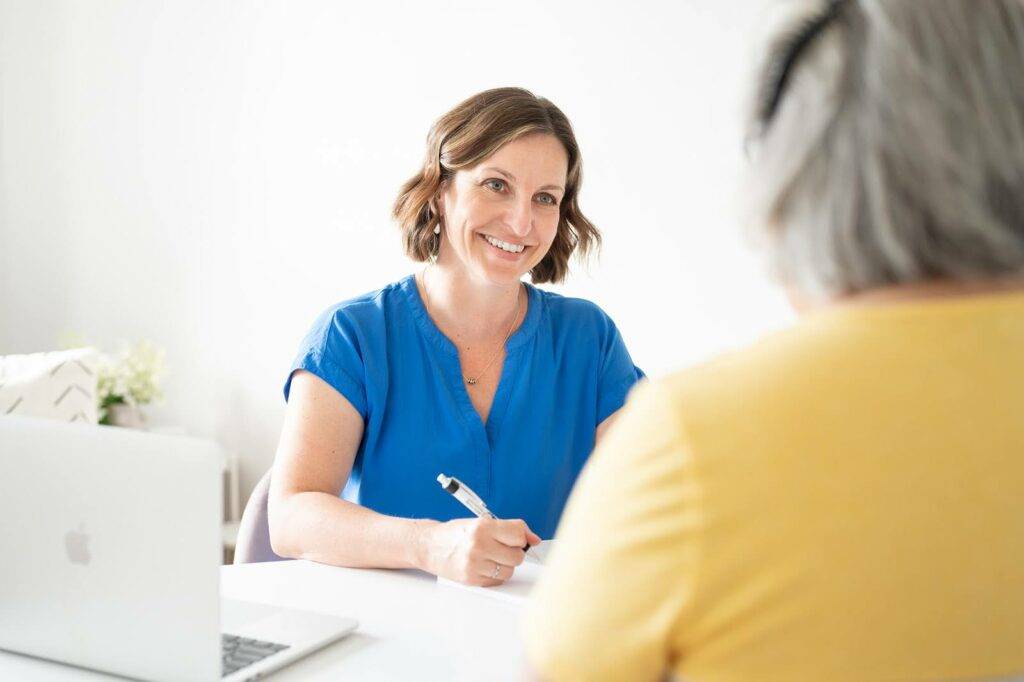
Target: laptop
x=110 y=546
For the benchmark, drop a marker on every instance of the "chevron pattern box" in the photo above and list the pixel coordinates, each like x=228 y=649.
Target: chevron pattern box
x=59 y=385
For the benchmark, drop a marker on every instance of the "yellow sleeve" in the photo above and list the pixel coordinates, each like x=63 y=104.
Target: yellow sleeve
x=622 y=568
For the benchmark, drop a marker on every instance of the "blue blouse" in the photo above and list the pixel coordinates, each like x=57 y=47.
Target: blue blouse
x=566 y=369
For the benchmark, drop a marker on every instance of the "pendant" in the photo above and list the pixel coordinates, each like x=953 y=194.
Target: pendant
x=471 y=382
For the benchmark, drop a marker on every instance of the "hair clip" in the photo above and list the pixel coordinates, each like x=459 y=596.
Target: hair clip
x=783 y=59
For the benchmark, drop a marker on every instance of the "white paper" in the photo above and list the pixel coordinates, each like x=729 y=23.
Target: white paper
x=539 y=553
x=515 y=590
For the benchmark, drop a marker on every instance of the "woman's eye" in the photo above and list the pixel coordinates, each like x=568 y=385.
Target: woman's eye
x=495 y=184
x=547 y=199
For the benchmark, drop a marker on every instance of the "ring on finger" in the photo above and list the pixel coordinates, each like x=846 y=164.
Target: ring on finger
x=496 y=571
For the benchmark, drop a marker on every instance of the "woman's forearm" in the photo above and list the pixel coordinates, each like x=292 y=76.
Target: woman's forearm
x=324 y=528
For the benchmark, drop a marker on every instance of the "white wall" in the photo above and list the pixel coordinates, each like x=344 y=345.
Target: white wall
x=211 y=175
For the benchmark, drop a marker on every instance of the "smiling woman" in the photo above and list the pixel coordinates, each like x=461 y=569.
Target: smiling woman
x=479 y=129
x=511 y=221
x=500 y=223
x=460 y=369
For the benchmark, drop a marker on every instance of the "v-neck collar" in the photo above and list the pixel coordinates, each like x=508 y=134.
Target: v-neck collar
x=484 y=434
x=526 y=330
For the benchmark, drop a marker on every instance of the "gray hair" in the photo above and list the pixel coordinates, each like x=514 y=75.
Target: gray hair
x=887 y=145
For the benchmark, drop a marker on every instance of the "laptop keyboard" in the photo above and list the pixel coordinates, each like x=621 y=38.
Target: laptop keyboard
x=238 y=652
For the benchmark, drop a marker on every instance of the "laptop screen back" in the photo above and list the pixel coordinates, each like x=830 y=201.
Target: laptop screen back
x=110 y=546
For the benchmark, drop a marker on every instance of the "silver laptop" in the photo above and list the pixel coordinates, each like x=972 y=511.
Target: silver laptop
x=110 y=547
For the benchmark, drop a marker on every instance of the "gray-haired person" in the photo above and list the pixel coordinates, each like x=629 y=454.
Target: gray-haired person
x=843 y=500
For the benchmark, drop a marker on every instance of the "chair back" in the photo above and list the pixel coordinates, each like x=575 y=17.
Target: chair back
x=253 y=543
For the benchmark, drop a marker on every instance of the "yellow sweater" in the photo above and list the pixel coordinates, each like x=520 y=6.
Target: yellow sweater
x=843 y=501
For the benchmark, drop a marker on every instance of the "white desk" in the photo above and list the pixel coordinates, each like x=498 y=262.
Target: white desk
x=410 y=628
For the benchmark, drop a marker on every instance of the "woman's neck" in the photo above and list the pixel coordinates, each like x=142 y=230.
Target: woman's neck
x=467 y=309
x=921 y=291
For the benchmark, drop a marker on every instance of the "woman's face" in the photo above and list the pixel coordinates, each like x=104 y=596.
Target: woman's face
x=500 y=216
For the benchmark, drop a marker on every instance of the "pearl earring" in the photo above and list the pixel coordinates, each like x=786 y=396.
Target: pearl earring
x=437 y=228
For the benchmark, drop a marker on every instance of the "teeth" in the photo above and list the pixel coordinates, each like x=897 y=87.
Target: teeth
x=504 y=246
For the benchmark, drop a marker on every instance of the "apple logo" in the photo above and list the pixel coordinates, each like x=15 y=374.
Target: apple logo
x=76 y=542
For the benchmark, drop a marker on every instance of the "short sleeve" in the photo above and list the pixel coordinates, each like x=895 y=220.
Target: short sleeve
x=618 y=374
x=332 y=350
x=622 y=571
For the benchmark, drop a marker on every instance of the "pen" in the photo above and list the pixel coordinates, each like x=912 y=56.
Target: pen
x=471 y=501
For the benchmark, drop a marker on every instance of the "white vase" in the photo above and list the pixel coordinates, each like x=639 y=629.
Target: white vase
x=129 y=416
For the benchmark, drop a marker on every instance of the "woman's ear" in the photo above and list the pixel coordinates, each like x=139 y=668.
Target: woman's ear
x=439 y=198
x=797 y=300
x=437 y=206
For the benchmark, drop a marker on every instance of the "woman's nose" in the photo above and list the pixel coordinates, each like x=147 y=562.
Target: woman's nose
x=521 y=218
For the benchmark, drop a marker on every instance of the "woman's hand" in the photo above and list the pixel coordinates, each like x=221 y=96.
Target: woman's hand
x=477 y=551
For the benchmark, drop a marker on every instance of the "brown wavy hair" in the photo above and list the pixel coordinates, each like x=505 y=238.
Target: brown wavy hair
x=467 y=135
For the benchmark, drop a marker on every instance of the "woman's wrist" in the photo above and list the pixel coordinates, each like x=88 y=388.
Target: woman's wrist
x=422 y=555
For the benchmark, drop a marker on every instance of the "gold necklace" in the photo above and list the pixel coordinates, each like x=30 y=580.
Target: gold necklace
x=472 y=380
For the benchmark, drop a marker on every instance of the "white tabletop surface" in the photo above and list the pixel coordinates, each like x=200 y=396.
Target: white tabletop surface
x=410 y=628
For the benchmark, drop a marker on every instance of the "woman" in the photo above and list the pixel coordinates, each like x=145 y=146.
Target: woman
x=841 y=501
x=461 y=369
